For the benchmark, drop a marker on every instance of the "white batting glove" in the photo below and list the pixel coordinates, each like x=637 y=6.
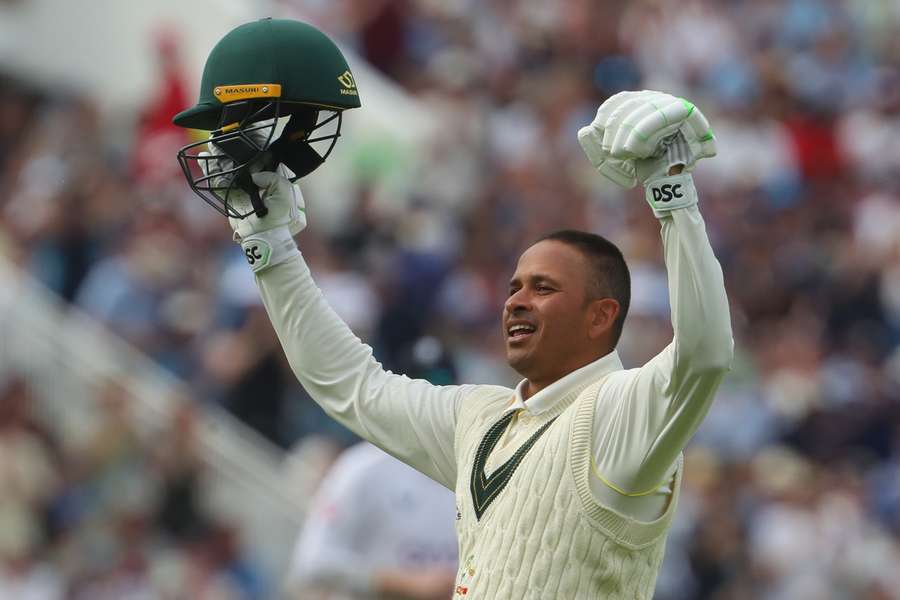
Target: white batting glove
x=638 y=125
x=267 y=240
x=637 y=137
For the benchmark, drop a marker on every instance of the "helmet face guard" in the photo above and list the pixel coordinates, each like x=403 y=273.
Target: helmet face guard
x=247 y=140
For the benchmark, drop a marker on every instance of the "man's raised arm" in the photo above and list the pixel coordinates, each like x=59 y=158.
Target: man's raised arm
x=412 y=420
x=646 y=416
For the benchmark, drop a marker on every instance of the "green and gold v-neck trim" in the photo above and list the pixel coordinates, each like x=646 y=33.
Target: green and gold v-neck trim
x=485 y=489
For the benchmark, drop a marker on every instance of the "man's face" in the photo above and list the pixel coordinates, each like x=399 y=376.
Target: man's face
x=546 y=319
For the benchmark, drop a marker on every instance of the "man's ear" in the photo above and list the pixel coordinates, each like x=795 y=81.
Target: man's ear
x=602 y=314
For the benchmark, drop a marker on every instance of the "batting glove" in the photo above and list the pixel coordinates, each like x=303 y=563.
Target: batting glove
x=637 y=137
x=267 y=240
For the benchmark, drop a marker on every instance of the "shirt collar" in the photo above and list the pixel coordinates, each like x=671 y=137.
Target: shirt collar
x=579 y=378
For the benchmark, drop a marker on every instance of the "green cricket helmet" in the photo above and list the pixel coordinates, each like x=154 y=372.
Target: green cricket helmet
x=273 y=93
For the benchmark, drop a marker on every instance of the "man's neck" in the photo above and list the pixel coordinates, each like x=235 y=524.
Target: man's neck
x=530 y=389
x=533 y=386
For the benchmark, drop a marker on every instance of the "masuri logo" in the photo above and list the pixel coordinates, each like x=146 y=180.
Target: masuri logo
x=346 y=80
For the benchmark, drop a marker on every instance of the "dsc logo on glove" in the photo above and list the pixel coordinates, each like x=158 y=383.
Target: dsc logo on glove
x=252 y=254
x=257 y=253
x=667 y=192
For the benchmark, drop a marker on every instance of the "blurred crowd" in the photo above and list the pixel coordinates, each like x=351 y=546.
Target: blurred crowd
x=793 y=482
x=103 y=512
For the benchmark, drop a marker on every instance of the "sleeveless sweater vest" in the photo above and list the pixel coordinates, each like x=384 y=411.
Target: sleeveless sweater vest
x=531 y=529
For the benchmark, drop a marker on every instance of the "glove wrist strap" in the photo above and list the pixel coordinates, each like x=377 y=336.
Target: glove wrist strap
x=269 y=248
x=670 y=193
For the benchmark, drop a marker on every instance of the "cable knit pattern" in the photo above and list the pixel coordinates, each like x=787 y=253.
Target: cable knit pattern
x=544 y=536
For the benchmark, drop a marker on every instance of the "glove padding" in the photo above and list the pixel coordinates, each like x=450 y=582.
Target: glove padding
x=283 y=198
x=627 y=141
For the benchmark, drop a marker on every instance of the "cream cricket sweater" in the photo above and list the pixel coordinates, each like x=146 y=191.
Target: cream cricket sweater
x=534 y=529
x=627 y=463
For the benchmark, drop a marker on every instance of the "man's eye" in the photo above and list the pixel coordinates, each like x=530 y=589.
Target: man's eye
x=543 y=289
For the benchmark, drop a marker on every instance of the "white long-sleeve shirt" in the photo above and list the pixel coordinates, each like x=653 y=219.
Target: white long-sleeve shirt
x=644 y=418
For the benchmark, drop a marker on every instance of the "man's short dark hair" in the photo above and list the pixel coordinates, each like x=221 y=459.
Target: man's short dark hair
x=609 y=273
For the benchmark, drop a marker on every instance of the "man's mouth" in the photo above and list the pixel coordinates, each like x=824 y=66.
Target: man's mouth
x=519 y=332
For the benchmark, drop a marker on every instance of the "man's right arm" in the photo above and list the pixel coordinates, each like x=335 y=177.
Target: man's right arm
x=412 y=420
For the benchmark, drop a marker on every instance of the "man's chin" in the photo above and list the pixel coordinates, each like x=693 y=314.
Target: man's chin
x=518 y=360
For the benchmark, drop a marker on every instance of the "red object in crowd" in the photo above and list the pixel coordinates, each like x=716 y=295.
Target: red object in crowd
x=815 y=146
x=157 y=139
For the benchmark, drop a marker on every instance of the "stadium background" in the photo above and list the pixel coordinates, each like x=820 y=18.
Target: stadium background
x=152 y=439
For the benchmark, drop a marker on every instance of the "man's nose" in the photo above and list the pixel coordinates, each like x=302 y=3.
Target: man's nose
x=520 y=300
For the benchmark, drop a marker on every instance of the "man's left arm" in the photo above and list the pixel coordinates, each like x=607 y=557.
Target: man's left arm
x=646 y=416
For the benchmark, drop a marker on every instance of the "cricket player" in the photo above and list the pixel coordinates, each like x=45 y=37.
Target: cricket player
x=566 y=485
x=376 y=530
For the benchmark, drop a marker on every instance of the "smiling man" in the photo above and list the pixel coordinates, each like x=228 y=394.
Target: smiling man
x=567 y=305
x=565 y=486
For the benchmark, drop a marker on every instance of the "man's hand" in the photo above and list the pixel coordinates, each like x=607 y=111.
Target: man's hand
x=265 y=240
x=652 y=138
x=283 y=198
x=628 y=139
